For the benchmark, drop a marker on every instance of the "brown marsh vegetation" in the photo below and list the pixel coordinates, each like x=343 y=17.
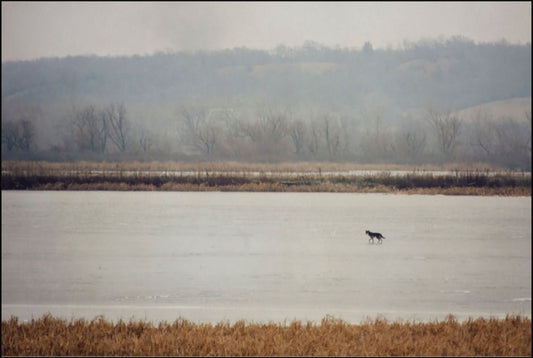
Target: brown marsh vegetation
x=284 y=177
x=47 y=335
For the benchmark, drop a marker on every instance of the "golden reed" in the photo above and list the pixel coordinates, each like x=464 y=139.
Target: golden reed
x=48 y=336
x=283 y=177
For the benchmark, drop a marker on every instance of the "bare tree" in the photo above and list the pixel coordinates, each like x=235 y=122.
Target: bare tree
x=18 y=134
x=18 y=125
x=90 y=129
x=199 y=128
x=483 y=135
x=410 y=143
x=347 y=134
x=271 y=125
x=331 y=135
x=513 y=139
x=313 y=139
x=376 y=142
x=446 y=127
x=116 y=124
x=9 y=135
x=233 y=139
x=252 y=130
x=415 y=142
x=297 y=132
x=145 y=140
x=26 y=131
x=266 y=134
x=505 y=141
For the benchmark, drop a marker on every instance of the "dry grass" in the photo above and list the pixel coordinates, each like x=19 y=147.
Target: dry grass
x=287 y=167
x=285 y=177
x=475 y=337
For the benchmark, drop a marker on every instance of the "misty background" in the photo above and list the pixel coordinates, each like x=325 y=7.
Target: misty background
x=426 y=97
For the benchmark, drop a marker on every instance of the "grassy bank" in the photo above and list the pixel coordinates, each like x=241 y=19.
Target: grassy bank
x=294 y=177
x=475 y=337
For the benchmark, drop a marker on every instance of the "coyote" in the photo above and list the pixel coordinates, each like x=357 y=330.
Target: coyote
x=373 y=235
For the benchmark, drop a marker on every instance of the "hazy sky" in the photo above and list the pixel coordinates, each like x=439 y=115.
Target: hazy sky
x=49 y=29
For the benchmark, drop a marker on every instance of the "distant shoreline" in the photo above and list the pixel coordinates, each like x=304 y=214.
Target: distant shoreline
x=244 y=177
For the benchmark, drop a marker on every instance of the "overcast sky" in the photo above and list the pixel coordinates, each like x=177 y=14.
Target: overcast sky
x=46 y=29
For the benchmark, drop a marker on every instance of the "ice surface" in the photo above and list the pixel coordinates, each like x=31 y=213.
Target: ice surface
x=263 y=256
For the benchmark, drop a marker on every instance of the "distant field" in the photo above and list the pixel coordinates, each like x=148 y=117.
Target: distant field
x=475 y=337
x=515 y=108
x=288 y=177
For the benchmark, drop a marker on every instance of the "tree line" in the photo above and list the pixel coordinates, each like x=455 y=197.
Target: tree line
x=291 y=103
x=276 y=134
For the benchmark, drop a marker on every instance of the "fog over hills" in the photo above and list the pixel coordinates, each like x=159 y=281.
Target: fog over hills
x=312 y=102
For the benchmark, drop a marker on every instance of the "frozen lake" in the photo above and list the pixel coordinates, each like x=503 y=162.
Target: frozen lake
x=208 y=257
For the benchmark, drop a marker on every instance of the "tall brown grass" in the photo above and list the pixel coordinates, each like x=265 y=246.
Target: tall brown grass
x=286 y=177
x=298 y=167
x=475 y=337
